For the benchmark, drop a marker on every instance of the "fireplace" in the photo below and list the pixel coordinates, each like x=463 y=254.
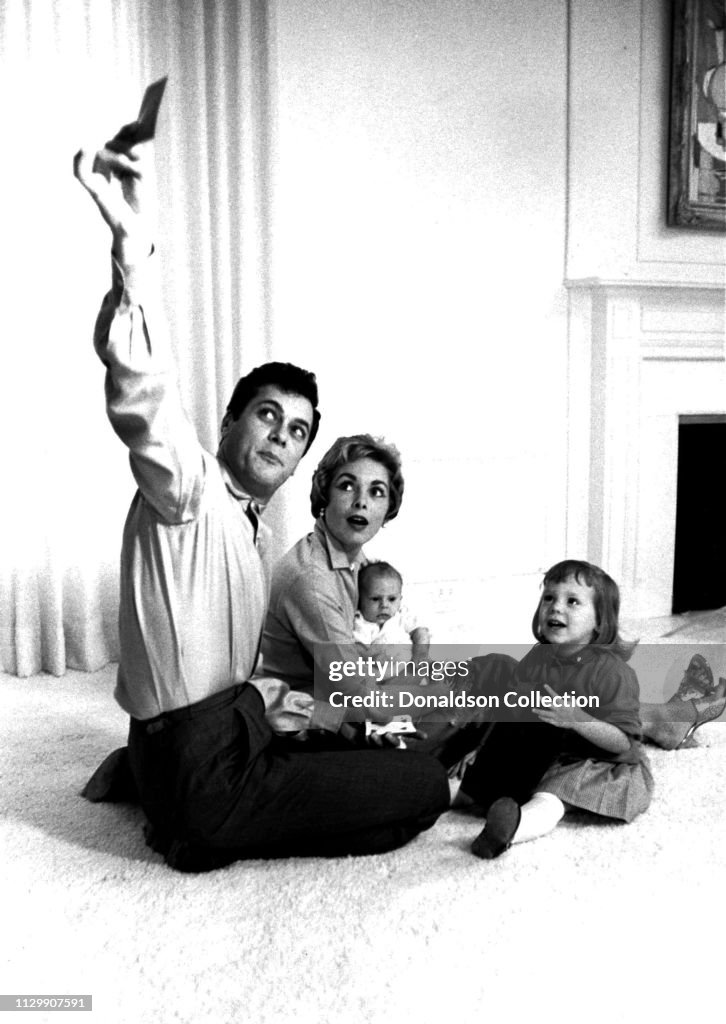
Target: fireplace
x=699 y=571
x=646 y=360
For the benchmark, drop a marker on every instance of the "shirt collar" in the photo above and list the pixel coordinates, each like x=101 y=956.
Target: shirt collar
x=336 y=555
x=236 y=491
x=585 y=654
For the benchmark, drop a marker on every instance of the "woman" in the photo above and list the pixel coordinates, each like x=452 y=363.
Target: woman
x=357 y=488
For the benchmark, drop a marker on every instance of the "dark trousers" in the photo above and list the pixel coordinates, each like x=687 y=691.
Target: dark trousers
x=451 y=735
x=517 y=748
x=213 y=775
x=511 y=761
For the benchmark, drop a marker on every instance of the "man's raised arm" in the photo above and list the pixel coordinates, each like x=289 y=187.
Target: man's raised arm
x=142 y=396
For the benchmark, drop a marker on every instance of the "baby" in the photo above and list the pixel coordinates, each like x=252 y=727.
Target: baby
x=380 y=619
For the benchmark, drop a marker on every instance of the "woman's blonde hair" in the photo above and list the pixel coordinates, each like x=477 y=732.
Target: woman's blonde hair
x=348 y=449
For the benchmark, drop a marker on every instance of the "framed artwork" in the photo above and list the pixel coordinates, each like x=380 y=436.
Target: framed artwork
x=697 y=167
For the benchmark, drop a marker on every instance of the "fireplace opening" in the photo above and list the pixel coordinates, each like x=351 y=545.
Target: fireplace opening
x=699 y=574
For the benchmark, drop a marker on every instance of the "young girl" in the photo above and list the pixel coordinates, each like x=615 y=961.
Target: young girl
x=594 y=756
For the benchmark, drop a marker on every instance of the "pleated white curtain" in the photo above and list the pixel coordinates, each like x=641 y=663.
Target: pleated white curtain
x=71 y=73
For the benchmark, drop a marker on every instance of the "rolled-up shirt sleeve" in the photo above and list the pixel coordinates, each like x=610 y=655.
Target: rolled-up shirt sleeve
x=294 y=711
x=142 y=394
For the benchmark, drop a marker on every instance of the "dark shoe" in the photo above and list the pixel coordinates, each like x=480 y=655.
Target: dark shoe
x=157 y=839
x=503 y=819
x=112 y=782
x=191 y=858
x=183 y=855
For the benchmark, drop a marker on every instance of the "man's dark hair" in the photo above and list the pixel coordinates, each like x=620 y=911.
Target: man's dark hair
x=288 y=378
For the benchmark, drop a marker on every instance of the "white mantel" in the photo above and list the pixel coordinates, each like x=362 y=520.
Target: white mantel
x=642 y=354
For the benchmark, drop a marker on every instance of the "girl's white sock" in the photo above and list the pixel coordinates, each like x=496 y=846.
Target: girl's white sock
x=539 y=816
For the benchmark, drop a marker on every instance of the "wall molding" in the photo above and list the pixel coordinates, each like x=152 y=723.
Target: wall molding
x=641 y=356
x=592 y=283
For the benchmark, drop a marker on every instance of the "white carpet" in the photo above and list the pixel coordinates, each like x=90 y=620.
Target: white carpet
x=595 y=922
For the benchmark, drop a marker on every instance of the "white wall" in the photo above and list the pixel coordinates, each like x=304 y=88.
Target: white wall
x=620 y=102
x=418 y=204
x=446 y=176
x=646 y=303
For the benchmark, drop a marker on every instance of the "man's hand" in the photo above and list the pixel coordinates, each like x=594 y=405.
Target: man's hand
x=355 y=733
x=119 y=179
x=395 y=739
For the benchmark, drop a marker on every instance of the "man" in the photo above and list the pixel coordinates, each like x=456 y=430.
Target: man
x=215 y=783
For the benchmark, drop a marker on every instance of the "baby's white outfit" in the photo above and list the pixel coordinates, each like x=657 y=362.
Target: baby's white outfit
x=396 y=630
